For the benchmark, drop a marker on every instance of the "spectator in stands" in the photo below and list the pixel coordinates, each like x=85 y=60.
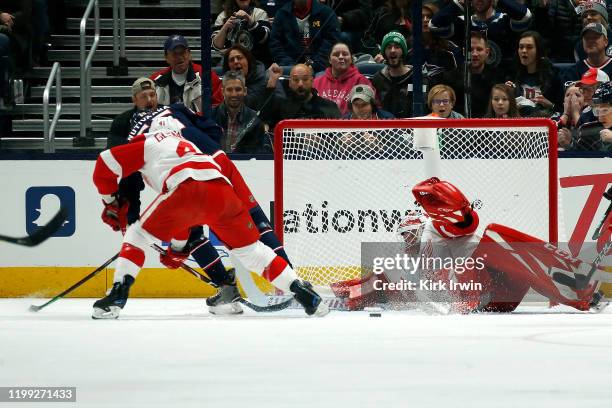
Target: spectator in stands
x=241 y=22
x=243 y=131
x=595 y=42
x=502 y=104
x=338 y=80
x=441 y=101
x=597 y=135
x=353 y=17
x=393 y=83
x=365 y=144
x=499 y=23
x=16 y=23
x=483 y=77
x=394 y=16
x=587 y=85
x=178 y=82
x=144 y=98
x=591 y=11
x=589 y=82
x=303 y=31
x=573 y=105
x=302 y=100
x=362 y=104
x=562 y=29
x=440 y=55
x=238 y=58
x=272 y=6
x=534 y=79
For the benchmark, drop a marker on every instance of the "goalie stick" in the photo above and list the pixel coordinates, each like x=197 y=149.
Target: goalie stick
x=40 y=234
x=34 y=308
x=582 y=281
x=203 y=278
x=607 y=195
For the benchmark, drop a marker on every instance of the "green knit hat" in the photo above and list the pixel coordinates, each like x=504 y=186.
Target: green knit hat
x=394 y=37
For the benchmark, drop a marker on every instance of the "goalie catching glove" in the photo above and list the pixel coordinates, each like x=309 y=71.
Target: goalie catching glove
x=115 y=214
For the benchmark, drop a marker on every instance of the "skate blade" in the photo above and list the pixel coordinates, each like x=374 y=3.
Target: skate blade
x=99 y=314
x=599 y=307
x=322 y=310
x=226 y=309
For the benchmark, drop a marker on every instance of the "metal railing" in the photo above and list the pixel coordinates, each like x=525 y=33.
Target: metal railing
x=86 y=60
x=49 y=126
x=119 y=59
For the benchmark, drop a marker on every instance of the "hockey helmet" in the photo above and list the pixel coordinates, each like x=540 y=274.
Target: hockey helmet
x=411 y=228
x=166 y=124
x=450 y=211
x=603 y=94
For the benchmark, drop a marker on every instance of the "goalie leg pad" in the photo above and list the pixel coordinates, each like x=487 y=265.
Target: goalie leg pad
x=523 y=258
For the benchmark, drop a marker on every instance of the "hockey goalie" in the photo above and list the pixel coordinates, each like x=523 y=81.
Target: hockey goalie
x=492 y=273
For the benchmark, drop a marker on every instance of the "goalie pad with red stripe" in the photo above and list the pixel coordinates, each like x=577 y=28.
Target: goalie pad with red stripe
x=516 y=261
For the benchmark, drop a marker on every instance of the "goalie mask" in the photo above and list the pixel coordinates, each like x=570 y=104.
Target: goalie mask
x=411 y=228
x=451 y=213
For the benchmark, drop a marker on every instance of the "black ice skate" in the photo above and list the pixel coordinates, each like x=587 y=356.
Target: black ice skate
x=308 y=298
x=598 y=302
x=225 y=301
x=109 y=307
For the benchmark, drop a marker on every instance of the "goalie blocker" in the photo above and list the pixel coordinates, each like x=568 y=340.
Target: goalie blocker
x=511 y=262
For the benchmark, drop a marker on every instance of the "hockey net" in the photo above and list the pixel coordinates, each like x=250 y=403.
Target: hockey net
x=341 y=183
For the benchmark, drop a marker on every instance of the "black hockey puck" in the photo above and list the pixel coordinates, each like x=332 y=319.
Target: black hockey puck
x=375 y=315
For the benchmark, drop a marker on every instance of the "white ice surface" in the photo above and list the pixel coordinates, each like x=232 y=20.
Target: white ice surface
x=172 y=353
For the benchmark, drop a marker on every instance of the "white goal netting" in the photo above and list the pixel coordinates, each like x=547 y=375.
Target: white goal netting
x=341 y=183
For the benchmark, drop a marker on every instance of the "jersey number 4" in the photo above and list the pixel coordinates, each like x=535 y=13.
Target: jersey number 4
x=184 y=147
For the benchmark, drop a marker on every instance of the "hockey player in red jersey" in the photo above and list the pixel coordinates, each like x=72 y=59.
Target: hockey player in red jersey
x=194 y=191
x=505 y=263
x=204 y=134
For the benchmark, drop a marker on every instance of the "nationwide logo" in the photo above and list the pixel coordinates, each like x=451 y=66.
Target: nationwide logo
x=321 y=219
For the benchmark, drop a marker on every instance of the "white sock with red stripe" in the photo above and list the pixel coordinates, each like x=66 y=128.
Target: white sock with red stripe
x=280 y=274
x=131 y=259
x=262 y=260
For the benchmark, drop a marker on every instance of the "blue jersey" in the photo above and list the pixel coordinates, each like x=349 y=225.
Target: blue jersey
x=204 y=133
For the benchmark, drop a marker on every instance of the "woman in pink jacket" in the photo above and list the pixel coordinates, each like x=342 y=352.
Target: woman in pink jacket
x=338 y=80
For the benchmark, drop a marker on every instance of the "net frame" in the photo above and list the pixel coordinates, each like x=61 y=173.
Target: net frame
x=363 y=125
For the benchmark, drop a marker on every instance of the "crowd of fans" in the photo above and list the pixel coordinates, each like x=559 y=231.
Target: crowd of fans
x=353 y=59
x=538 y=58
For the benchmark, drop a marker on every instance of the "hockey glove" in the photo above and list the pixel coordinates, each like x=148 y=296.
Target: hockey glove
x=173 y=259
x=115 y=214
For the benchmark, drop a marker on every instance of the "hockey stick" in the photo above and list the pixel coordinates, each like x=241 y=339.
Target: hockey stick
x=34 y=308
x=582 y=281
x=607 y=195
x=203 y=278
x=40 y=234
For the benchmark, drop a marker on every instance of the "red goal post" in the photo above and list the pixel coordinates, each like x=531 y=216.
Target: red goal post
x=342 y=182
